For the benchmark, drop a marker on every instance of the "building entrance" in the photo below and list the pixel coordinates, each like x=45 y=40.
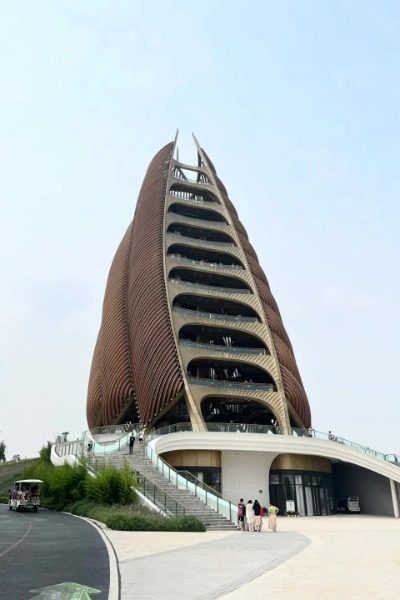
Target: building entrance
x=311 y=492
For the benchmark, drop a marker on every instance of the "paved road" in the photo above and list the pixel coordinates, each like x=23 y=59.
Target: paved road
x=208 y=570
x=44 y=549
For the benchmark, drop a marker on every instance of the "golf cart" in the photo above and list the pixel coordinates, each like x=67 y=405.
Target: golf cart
x=25 y=495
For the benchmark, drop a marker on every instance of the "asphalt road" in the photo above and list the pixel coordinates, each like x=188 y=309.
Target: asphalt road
x=44 y=549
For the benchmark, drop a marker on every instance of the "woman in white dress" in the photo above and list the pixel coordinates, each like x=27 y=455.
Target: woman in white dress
x=250 y=516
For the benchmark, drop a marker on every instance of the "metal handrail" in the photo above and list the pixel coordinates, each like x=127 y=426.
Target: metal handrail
x=212 y=288
x=190 y=477
x=204 y=263
x=212 y=316
x=220 y=348
x=149 y=489
x=205 y=493
x=391 y=458
x=161 y=499
x=239 y=384
x=79 y=447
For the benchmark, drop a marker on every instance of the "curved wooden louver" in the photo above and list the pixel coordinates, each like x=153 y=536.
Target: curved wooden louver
x=135 y=360
x=136 y=370
x=293 y=386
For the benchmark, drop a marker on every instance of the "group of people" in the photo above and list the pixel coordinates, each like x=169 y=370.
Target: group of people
x=250 y=516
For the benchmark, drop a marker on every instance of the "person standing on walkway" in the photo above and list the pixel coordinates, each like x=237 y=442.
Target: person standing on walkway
x=250 y=515
x=272 y=520
x=141 y=437
x=131 y=442
x=241 y=508
x=257 y=515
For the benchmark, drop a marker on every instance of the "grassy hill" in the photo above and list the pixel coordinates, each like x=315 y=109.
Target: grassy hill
x=11 y=471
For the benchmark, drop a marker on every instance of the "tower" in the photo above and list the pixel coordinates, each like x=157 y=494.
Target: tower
x=190 y=330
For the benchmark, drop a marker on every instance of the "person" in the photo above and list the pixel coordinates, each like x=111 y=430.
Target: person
x=263 y=513
x=89 y=447
x=141 y=437
x=131 y=442
x=240 y=514
x=272 y=520
x=331 y=436
x=257 y=515
x=250 y=515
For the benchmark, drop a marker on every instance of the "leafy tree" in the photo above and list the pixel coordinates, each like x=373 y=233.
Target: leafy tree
x=45 y=453
x=2 y=451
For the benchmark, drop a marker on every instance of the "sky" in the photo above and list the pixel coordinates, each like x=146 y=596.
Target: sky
x=297 y=104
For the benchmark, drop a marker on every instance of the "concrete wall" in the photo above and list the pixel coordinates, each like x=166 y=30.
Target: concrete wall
x=244 y=474
x=372 y=489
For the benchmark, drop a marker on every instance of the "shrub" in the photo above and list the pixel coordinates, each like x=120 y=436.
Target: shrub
x=112 y=487
x=137 y=522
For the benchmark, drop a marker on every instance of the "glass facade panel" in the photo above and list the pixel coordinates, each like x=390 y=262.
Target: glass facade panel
x=312 y=492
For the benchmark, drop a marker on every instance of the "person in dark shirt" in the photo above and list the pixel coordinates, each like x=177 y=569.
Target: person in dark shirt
x=257 y=515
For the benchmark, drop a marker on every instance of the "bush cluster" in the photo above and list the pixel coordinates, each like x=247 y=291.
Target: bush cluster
x=110 y=497
x=136 y=522
x=66 y=485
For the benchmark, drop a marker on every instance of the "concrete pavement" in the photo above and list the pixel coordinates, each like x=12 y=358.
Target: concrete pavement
x=340 y=557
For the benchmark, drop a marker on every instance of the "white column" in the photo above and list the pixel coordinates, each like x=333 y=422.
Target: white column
x=394 y=499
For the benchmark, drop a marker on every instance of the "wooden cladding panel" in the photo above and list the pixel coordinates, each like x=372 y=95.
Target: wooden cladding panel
x=291 y=380
x=136 y=359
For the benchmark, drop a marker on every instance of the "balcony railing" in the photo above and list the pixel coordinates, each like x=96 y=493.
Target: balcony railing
x=392 y=458
x=218 y=317
x=212 y=288
x=241 y=385
x=204 y=263
x=220 y=348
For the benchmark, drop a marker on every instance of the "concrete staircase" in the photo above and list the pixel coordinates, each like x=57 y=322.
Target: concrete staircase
x=139 y=463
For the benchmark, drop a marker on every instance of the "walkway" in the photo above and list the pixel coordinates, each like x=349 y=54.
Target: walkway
x=334 y=558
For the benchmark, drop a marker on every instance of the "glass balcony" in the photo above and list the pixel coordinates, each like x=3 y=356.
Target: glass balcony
x=215 y=316
x=203 y=263
x=218 y=348
x=211 y=288
x=262 y=387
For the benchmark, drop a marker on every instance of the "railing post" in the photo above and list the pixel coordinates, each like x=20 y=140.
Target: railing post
x=206 y=497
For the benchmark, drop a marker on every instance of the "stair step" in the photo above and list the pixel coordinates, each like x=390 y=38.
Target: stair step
x=183 y=496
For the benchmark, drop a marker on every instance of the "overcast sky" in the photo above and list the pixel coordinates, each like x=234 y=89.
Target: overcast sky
x=297 y=103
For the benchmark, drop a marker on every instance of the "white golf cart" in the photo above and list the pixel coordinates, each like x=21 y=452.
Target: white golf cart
x=25 y=495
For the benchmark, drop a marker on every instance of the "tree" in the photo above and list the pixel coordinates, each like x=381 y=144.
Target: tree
x=2 y=451
x=45 y=453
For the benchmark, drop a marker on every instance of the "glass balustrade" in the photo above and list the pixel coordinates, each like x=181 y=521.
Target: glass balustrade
x=207 y=494
x=212 y=288
x=218 y=348
x=203 y=263
x=242 y=385
x=212 y=316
